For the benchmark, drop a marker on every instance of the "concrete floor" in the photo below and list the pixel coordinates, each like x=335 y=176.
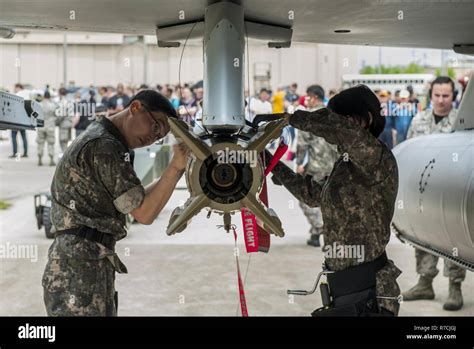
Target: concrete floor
x=192 y=273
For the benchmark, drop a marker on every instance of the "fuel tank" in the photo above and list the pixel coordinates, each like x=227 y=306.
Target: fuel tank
x=435 y=203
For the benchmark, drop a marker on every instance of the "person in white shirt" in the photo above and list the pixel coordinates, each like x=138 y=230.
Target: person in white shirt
x=260 y=105
x=26 y=95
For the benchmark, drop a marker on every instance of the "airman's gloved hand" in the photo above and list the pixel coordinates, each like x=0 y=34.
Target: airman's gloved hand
x=269 y=117
x=322 y=112
x=268 y=158
x=276 y=181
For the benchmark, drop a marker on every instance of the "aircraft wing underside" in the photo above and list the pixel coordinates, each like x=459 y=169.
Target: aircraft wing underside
x=418 y=23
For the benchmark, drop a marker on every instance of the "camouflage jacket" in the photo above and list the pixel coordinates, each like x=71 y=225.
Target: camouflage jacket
x=95 y=184
x=424 y=123
x=49 y=111
x=358 y=198
x=321 y=154
x=64 y=114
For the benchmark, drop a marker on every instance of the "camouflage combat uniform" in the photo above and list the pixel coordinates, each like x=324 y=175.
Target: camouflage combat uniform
x=94 y=186
x=357 y=199
x=65 y=123
x=424 y=124
x=47 y=133
x=321 y=158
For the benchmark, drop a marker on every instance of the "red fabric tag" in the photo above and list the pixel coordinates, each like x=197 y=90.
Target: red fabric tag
x=250 y=231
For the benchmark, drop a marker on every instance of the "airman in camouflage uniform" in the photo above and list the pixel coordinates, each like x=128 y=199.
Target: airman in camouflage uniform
x=64 y=114
x=357 y=199
x=321 y=157
x=47 y=134
x=93 y=189
x=94 y=186
x=425 y=123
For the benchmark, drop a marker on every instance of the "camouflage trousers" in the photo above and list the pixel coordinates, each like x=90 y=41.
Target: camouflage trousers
x=426 y=265
x=314 y=217
x=45 y=136
x=64 y=137
x=79 y=287
x=387 y=287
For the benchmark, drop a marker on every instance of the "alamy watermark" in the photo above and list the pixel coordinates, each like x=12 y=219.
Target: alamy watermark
x=392 y=108
x=232 y=156
x=13 y=251
x=71 y=109
x=37 y=332
x=345 y=251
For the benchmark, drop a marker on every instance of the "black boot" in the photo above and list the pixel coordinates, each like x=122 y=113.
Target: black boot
x=422 y=290
x=314 y=240
x=454 y=301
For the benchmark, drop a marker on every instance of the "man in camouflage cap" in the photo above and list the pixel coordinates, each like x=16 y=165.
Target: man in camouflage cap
x=439 y=119
x=357 y=201
x=314 y=157
x=93 y=190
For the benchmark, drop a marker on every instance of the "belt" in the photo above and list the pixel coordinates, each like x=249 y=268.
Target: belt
x=357 y=278
x=91 y=234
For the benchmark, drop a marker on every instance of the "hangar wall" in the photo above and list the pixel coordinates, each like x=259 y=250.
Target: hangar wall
x=36 y=58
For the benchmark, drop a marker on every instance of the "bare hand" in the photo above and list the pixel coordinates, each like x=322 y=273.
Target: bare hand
x=180 y=157
x=300 y=169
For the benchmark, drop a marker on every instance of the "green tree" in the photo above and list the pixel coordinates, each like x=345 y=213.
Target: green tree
x=367 y=70
x=412 y=68
x=451 y=73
